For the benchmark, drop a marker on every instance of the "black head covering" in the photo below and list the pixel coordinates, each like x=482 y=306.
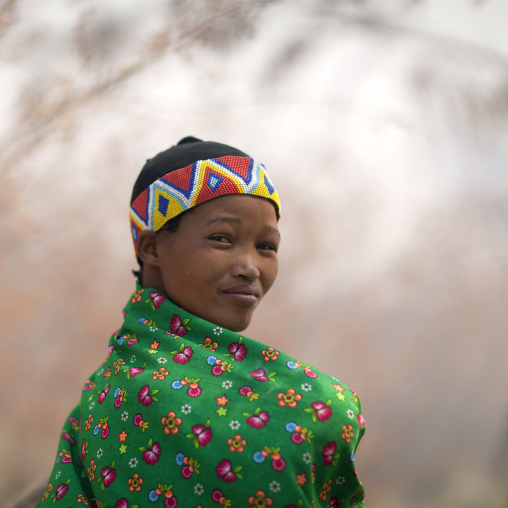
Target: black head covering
x=186 y=152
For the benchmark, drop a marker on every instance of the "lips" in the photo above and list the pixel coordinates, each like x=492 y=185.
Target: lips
x=243 y=295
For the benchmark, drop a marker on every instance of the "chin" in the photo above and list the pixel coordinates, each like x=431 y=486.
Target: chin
x=238 y=324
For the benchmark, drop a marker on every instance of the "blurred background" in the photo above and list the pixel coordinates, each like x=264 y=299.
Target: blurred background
x=383 y=124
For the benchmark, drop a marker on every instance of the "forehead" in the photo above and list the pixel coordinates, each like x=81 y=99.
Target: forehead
x=241 y=205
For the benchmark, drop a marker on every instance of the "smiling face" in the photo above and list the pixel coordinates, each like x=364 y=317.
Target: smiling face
x=220 y=261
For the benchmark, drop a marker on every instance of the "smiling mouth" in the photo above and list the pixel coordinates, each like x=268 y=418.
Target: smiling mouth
x=243 y=295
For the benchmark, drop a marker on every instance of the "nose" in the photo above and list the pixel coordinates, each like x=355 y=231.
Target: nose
x=246 y=267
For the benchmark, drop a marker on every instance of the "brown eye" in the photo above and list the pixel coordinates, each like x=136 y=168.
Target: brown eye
x=267 y=246
x=220 y=238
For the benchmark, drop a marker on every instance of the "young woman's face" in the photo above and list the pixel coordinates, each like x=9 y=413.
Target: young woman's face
x=221 y=260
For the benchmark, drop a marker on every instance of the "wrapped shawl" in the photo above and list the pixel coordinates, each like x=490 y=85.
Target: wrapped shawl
x=185 y=413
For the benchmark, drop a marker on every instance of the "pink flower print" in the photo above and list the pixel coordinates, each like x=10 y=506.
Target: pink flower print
x=334 y=503
x=261 y=375
x=202 y=434
x=278 y=463
x=84 y=449
x=61 y=490
x=151 y=452
x=329 y=453
x=309 y=372
x=320 y=410
x=147 y=396
x=239 y=351
x=247 y=391
x=134 y=371
x=179 y=327
x=108 y=475
x=194 y=390
x=190 y=466
x=257 y=420
x=68 y=437
x=74 y=423
x=139 y=422
x=132 y=341
x=157 y=298
x=361 y=421
x=227 y=472
x=122 y=503
x=184 y=355
x=218 y=497
x=102 y=394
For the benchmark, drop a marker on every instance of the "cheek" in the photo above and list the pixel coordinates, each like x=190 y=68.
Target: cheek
x=270 y=274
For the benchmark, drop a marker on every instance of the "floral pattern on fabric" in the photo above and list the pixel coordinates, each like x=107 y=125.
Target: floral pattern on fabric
x=184 y=413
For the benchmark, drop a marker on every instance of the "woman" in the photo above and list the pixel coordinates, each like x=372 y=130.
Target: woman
x=185 y=411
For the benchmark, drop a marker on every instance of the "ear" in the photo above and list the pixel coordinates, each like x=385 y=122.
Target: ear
x=147 y=248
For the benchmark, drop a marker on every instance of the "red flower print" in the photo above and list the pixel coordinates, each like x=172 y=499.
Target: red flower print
x=157 y=298
x=347 y=433
x=147 y=396
x=239 y=351
x=325 y=490
x=209 y=344
x=91 y=470
x=259 y=500
x=184 y=355
x=227 y=472
x=171 y=423
x=179 y=327
x=257 y=420
x=361 y=421
x=108 y=476
x=270 y=354
x=160 y=374
x=329 y=453
x=301 y=479
x=136 y=296
x=289 y=398
x=151 y=452
x=135 y=483
x=203 y=433
x=236 y=444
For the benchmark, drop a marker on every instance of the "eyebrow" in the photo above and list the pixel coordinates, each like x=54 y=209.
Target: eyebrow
x=233 y=220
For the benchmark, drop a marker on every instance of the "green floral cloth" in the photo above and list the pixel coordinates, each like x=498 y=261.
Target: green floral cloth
x=185 y=413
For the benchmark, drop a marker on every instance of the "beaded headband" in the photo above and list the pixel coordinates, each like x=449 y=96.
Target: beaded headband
x=180 y=190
